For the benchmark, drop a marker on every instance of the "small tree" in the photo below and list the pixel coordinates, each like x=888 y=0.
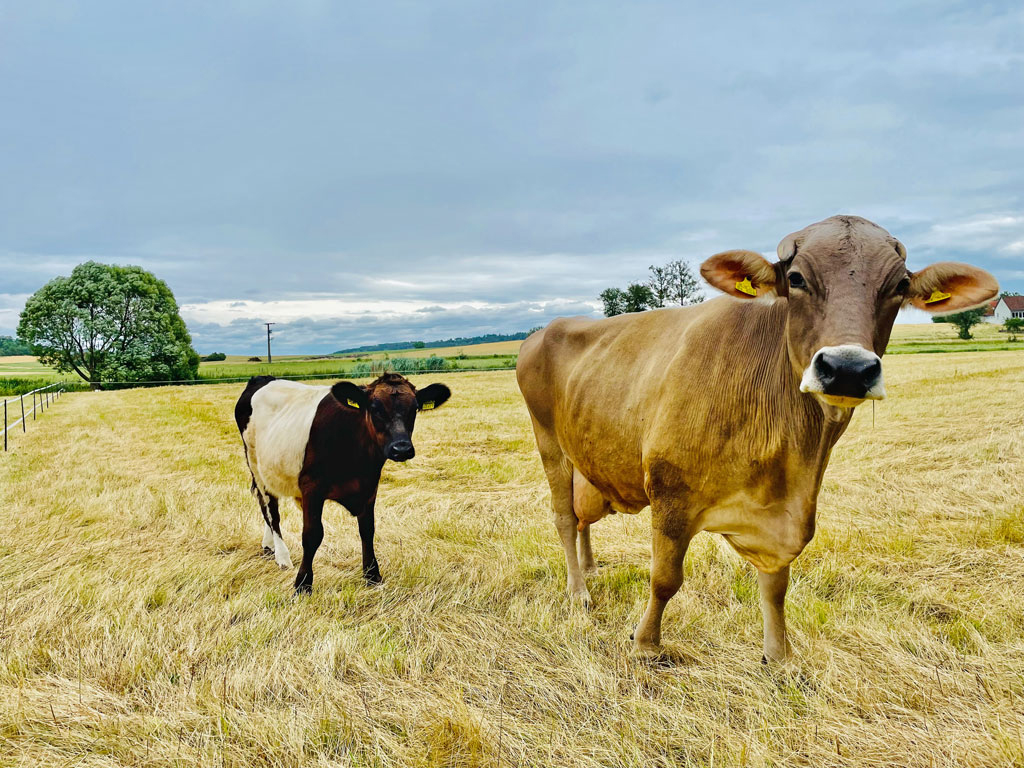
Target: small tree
x=1013 y=326
x=109 y=323
x=614 y=300
x=964 y=321
x=639 y=297
x=674 y=283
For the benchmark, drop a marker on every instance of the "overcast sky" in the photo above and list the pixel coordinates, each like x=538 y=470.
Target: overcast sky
x=364 y=172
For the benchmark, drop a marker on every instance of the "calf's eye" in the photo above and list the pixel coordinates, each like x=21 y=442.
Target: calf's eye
x=903 y=286
x=796 y=280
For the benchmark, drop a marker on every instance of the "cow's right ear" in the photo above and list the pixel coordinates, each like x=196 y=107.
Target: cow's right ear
x=743 y=274
x=350 y=395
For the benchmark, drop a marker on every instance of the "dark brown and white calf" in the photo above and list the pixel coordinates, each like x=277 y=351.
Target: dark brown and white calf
x=318 y=443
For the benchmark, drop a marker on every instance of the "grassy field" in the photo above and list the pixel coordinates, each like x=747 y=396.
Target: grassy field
x=143 y=627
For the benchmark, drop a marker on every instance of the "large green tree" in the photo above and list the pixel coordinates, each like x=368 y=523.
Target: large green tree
x=109 y=323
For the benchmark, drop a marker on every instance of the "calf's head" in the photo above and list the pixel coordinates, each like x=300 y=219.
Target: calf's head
x=390 y=405
x=843 y=281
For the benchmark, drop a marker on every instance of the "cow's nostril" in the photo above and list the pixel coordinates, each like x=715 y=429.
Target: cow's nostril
x=872 y=371
x=825 y=369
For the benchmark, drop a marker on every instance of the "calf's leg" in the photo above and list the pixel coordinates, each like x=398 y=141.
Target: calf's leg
x=281 y=554
x=268 y=533
x=371 y=569
x=312 y=536
x=773 y=588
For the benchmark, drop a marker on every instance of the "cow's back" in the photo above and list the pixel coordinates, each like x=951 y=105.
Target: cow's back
x=615 y=391
x=278 y=433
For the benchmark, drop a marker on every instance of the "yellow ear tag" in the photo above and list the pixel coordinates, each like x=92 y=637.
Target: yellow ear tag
x=427 y=406
x=744 y=286
x=937 y=296
x=353 y=403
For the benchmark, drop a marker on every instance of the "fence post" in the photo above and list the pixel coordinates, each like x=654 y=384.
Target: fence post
x=22 y=414
x=5 y=425
x=33 y=405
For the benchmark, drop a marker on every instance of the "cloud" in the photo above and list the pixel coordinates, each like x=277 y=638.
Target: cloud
x=399 y=163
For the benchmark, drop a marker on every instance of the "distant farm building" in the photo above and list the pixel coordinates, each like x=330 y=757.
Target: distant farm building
x=1005 y=308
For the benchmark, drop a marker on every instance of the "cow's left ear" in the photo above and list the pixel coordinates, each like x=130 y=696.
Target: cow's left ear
x=743 y=274
x=350 y=395
x=432 y=397
x=950 y=287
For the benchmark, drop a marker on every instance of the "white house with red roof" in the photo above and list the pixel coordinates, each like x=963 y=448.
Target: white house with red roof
x=1007 y=307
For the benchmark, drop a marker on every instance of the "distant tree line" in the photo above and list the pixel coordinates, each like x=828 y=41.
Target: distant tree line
x=213 y=357
x=459 y=341
x=673 y=284
x=12 y=346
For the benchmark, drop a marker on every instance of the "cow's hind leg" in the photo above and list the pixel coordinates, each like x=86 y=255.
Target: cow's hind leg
x=559 y=473
x=587 y=562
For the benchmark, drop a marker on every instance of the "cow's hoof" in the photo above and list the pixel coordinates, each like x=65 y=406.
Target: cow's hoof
x=583 y=599
x=303 y=589
x=268 y=552
x=373 y=579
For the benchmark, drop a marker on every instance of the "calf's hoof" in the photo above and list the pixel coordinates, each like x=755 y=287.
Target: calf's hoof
x=303 y=585
x=268 y=552
x=372 y=578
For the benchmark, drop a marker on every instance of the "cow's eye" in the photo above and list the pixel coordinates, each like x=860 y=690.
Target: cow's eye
x=796 y=280
x=903 y=286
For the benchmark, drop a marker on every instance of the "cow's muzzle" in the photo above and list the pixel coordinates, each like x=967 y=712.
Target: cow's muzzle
x=845 y=375
x=401 y=450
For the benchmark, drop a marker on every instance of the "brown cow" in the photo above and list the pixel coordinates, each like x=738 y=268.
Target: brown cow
x=721 y=416
x=315 y=444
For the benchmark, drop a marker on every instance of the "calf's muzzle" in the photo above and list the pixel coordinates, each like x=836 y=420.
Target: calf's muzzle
x=401 y=450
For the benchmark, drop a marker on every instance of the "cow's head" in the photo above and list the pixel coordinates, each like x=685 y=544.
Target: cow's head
x=391 y=403
x=843 y=281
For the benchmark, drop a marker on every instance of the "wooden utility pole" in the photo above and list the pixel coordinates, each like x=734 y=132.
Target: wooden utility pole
x=269 y=358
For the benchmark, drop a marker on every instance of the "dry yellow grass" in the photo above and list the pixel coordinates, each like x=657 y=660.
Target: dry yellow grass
x=141 y=626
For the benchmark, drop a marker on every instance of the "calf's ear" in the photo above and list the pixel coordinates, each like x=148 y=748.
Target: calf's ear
x=743 y=274
x=950 y=287
x=433 y=396
x=350 y=395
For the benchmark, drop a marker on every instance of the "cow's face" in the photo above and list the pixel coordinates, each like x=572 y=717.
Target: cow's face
x=391 y=404
x=843 y=281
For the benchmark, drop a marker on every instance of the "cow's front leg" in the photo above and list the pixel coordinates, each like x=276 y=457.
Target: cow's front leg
x=773 y=588
x=371 y=569
x=312 y=535
x=667 y=553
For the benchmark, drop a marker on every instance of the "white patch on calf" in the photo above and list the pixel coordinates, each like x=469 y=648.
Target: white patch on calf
x=278 y=432
x=281 y=554
x=268 y=537
x=811 y=383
